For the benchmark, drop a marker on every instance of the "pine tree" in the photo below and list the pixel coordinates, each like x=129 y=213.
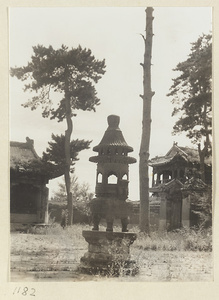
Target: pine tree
x=191 y=94
x=70 y=73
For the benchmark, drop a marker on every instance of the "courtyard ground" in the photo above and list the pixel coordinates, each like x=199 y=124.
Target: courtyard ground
x=54 y=255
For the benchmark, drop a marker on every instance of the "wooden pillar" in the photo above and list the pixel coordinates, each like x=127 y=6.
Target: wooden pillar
x=158 y=178
x=172 y=175
x=153 y=178
x=165 y=177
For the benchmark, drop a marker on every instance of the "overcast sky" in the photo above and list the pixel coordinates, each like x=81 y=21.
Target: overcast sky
x=113 y=34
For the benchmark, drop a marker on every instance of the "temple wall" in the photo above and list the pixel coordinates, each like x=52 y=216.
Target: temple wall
x=28 y=203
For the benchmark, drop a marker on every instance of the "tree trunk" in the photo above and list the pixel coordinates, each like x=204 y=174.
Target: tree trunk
x=68 y=133
x=207 y=144
x=202 y=154
x=146 y=126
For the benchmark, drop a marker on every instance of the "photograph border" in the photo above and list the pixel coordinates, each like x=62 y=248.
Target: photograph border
x=99 y=290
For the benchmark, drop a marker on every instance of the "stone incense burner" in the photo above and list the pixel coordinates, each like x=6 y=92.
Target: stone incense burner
x=108 y=251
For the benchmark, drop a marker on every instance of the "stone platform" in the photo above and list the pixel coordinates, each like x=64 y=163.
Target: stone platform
x=108 y=253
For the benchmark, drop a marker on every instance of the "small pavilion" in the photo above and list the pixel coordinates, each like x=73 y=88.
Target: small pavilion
x=171 y=174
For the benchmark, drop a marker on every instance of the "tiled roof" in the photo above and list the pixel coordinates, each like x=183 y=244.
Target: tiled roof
x=113 y=135
x=160 y=160
x=166 y=186
x=24 y=159
x=188 y=154
x=22 y=154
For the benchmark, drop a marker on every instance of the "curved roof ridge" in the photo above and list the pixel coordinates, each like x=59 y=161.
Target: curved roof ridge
x=175 y=147
x=28 y=145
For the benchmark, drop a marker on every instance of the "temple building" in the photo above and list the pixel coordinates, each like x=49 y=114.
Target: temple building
x=178 y=163
x=170 y=188
x=28 y=179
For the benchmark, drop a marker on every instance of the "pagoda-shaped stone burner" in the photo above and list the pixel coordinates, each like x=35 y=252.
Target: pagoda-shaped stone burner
x=108 y=251
x=112 y=177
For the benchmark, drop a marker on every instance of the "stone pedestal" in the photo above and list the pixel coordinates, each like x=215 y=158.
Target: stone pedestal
x=108 y=253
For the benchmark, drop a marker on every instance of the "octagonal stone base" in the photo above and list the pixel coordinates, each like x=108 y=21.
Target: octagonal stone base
x=108 y=253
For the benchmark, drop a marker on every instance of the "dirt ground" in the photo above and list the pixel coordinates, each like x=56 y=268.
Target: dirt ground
x=50 y=258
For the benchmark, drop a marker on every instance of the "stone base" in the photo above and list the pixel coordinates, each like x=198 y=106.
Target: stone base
x=111 y=269
x=108 y=253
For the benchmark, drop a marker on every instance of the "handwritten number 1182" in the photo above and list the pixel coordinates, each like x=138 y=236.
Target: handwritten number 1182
x=24 y=291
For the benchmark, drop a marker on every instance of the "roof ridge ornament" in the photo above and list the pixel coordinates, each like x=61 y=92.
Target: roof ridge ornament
x=29 y=141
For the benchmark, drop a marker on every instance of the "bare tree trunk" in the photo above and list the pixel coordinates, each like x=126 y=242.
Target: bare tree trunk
x=68 y=133
x=67 y=170
x=146 y=126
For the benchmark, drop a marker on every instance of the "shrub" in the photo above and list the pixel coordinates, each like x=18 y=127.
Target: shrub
x=202 y=207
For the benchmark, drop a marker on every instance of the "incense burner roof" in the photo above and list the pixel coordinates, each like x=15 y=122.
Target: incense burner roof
x=113 y=136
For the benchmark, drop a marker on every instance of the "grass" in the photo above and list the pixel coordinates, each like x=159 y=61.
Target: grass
x=55 y=253
x=179 y=240
x=184 y=239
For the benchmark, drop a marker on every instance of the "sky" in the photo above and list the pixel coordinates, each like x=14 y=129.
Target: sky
x=113 y=34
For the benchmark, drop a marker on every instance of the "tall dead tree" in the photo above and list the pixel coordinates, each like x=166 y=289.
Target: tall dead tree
x=146 y=125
